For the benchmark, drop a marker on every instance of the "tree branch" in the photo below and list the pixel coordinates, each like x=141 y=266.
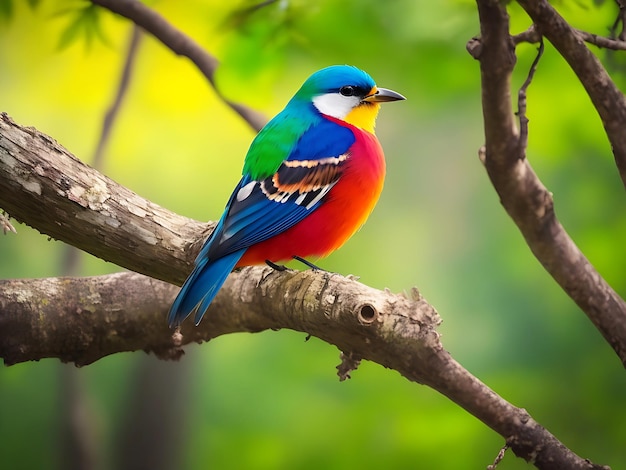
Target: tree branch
x=83 y=319
x=45 y=186
x=524 y=196
x=601 y=41
x=114 y=109
x=532 y=35
x=180 y=44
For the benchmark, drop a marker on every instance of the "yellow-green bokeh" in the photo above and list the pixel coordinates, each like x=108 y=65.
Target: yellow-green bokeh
x=272 y=400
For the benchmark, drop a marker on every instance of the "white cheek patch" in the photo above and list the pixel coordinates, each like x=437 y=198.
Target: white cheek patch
x=335 y=104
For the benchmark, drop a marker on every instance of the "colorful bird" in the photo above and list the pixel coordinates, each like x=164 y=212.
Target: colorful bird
x=310 y=180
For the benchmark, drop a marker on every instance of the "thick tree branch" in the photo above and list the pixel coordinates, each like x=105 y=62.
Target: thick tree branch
x=82 y=319
x=180 y=44
x=523 y=195
x=45 y=186
x=608 y=100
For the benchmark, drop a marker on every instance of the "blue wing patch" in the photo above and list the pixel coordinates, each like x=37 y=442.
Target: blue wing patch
x=324 y=139
x=260 y=209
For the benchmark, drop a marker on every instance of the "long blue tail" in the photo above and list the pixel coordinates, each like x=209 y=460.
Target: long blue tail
x=201 y=287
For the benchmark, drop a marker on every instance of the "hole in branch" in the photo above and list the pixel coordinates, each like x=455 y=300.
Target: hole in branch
x=367 y=314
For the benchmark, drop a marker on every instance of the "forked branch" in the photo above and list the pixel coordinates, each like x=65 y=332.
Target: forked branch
x=523 y=195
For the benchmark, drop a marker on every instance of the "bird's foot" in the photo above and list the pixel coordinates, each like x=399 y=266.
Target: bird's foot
x=277 y=267
x=281 y=267
x=308 y=263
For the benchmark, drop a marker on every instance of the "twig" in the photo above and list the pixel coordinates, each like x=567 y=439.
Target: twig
x=601 y=41
x=180 y=44
x=522 y=102
x=258 y=6
x=531 y=35
x=498 y=458
x=349 y=363
x=122 y=88
x=6 y=224
x=620 y=20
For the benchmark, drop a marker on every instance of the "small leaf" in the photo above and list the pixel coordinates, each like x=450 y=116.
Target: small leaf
x=6 y=9
x=85 y=24
x=71 y=33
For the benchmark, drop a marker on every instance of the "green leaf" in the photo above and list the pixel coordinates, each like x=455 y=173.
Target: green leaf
x=6 y=9
x=85 y=24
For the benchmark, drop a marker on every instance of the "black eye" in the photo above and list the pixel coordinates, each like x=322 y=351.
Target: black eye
x=348 y=90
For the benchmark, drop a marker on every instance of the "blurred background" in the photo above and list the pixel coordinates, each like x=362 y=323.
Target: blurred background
x=273 y=400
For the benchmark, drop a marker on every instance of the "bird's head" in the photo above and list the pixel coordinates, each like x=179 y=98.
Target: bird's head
x=346 y=93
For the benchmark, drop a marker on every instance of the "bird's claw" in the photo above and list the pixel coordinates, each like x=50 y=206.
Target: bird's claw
x=276 y=267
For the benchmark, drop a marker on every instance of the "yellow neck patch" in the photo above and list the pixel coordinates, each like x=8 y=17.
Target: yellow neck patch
x=364 y=116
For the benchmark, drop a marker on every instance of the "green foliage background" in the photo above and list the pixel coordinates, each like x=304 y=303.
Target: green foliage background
x=272 y=400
